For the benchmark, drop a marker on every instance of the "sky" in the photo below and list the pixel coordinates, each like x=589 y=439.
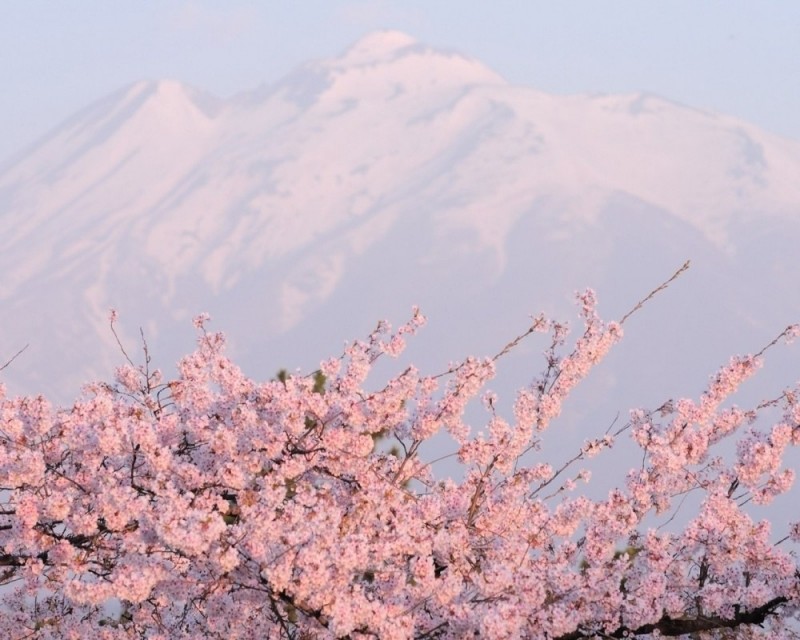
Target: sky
x=735 y=57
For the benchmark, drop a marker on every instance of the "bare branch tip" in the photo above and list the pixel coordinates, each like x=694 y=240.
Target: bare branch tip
x=14 y=357
x=655 y=291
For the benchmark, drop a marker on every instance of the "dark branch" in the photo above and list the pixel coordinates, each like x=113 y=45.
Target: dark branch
x=680 y=626
x=14 y=357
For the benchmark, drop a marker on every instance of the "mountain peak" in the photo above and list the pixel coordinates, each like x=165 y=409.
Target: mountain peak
x=378 y=45
x=173 y=96
x=393 y=58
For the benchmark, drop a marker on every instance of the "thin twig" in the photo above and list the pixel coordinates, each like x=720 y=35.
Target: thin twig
x=119 y=343
x=786 y=332
x=513 y=343
x=663 y=286
x=532 y=329
x=14 y=357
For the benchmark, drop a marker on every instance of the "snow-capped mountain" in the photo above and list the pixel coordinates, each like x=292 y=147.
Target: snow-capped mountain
x=395 y=174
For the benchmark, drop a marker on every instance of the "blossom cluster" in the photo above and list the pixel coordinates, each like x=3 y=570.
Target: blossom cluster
x=214 y=506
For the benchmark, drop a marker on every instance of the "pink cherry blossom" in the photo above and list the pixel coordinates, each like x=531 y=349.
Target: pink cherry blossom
x=214 y=506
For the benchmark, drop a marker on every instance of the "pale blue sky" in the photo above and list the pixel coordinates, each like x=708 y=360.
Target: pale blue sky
x=737 y=57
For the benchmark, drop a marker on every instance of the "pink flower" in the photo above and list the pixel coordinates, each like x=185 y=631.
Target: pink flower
x=214 y=506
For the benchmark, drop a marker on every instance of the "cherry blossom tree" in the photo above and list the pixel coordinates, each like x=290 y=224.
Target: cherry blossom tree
x=213 y=506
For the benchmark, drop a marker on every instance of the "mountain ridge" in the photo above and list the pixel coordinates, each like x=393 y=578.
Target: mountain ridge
x=269 y=208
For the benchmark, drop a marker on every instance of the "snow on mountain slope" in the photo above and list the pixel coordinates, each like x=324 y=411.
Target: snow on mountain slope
x=356 y=186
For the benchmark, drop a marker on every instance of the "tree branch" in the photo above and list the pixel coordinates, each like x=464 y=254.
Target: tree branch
x=672 y=627
x=14 y=357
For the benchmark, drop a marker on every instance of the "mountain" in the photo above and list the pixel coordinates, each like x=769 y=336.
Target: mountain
x=300 y=213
